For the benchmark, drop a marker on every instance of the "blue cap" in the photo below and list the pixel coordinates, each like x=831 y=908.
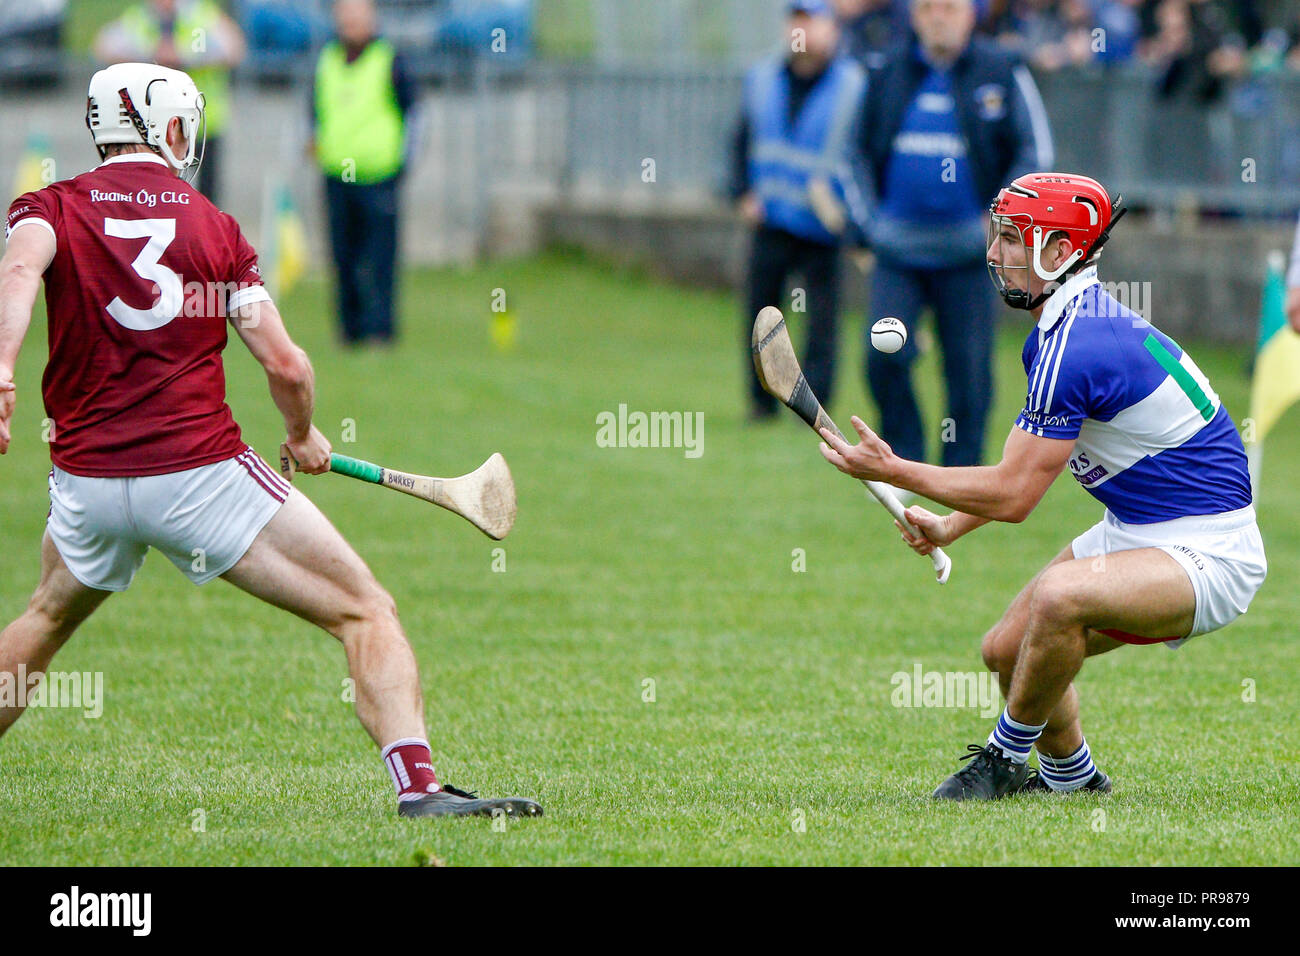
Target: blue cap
x=816 y=8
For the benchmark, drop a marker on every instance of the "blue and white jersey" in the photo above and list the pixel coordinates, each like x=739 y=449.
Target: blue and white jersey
x=1152 y=440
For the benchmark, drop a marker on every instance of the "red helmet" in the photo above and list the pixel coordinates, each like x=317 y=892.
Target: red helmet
x=1041 y=204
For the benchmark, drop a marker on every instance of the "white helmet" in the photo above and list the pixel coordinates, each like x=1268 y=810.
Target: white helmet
x=135 y=102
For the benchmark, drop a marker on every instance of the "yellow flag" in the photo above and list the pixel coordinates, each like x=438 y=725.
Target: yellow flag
x=504 y=330
x=1276 y=386
x=35 y=166
x=284 y=250
x=291 y=238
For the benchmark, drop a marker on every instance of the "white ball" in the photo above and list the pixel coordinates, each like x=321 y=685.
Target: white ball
x=888 y=335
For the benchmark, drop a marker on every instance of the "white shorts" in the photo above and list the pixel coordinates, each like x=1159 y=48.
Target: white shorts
x=1223 y=556
x=203 y=519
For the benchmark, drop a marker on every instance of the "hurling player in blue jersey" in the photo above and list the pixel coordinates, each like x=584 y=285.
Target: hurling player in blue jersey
x=1117 y=402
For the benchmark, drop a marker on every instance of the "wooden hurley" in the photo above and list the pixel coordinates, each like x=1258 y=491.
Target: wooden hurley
x=485 y=497
x=778 y=369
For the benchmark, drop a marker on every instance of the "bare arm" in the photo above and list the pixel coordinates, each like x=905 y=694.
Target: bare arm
x=290 y=378
x=27 y=256
x=1007 y=491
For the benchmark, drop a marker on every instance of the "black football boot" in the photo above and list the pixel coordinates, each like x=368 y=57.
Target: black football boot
x=450 y=802
x=991 y=775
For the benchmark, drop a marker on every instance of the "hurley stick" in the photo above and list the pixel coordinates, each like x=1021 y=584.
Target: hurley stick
x=778 y=369
x=485 y=497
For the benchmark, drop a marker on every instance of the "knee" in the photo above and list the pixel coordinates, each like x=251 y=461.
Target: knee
x=369 y=612
x=378 y=606
x=54 y=617
x=1055 y=600
x=999 y=649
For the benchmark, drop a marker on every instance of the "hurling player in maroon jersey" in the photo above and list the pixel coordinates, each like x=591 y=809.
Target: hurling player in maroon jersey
x=142 y=275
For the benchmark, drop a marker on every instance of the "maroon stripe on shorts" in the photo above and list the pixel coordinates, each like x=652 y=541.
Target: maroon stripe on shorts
x=268 y=472
x=269 y=489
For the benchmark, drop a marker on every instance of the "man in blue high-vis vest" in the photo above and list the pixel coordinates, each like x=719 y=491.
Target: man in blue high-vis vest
x=796 y=183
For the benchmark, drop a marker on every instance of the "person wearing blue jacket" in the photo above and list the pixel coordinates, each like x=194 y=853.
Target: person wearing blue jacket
x=948 y=118
x=794 y=182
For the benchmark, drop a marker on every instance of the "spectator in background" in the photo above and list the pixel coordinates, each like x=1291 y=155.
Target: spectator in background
x=360 y=103
x=1193 y=49
x=1050 y=34
x=792 y=180
x=871 y=27
x=948 y=119
x=1122 y=22
x=191 y=35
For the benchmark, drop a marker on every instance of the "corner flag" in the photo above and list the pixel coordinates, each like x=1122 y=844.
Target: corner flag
x=1277 y=363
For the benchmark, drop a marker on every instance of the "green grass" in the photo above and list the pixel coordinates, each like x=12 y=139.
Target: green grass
x=772 y=687
x=84 y=20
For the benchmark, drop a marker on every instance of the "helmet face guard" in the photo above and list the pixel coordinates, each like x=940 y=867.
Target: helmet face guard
x=1025 y=256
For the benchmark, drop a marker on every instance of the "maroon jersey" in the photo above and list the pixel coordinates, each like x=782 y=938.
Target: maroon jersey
x=144 y=271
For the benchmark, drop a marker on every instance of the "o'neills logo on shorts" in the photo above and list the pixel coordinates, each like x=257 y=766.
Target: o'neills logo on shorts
x=1196 y=558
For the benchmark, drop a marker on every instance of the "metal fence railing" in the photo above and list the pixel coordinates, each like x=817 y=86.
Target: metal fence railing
x=616 y=118
x=1239 y=155
x=589 y=128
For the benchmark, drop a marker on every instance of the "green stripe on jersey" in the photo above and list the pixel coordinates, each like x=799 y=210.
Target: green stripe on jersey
x=1191 y=388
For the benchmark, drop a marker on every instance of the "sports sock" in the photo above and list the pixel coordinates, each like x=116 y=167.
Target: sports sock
x=1015 y=738
x=1067 y=773
x=410 y=764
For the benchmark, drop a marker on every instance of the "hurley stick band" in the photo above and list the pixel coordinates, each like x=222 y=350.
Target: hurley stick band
x=356 y=468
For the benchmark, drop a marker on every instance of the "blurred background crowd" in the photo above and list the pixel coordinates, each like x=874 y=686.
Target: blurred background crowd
x=508 y=125
x=1194 y=43
x=586 y=82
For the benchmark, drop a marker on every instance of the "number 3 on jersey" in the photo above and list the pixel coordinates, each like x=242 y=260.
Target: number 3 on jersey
x=171 y=293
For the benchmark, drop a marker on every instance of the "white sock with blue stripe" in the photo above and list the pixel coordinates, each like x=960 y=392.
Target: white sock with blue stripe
x=1067 y=773
x=1015 y=739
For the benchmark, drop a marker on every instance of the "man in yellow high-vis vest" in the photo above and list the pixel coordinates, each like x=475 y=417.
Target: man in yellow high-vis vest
x=191 y=35
x=361 y=101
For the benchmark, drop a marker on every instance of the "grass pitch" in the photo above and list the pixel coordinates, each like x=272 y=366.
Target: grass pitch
x=771 y=737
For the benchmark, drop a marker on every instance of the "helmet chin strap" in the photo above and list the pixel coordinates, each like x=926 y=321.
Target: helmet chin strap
x=1051 y=275
x=188 y=167
x=1017 y=298
x=172 y=159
